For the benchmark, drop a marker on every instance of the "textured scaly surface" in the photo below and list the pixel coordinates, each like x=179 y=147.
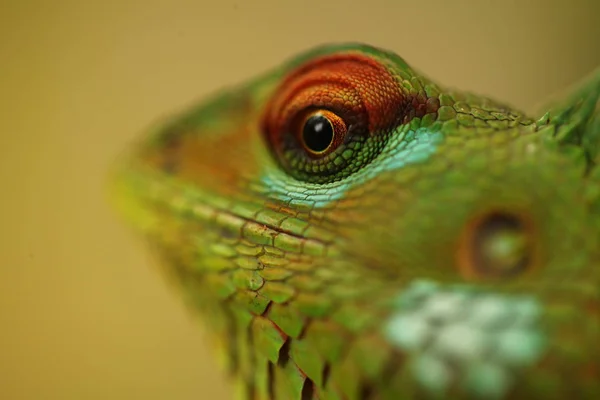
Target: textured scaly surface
x=349 y=229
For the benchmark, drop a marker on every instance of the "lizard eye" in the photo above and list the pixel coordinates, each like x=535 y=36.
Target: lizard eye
x=498 y=245
x=322 y=132
x=331 y=116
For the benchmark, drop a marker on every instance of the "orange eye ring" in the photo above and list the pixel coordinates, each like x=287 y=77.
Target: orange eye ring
x=320 y=132
x=324 y=112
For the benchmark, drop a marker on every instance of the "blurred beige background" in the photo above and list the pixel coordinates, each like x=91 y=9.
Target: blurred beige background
x=82 y=315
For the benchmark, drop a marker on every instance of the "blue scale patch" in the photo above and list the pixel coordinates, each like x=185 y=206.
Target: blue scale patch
x=404 y=148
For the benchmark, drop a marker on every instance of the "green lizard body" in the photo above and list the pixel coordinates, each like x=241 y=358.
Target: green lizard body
x=349 y=229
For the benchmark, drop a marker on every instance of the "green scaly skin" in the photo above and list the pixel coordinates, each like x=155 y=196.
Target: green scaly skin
x=458 y=259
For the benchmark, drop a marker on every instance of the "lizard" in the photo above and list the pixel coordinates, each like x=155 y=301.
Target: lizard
x=347 y=228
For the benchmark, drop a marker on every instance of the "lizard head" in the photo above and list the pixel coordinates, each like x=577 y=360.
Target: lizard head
x=352 y=220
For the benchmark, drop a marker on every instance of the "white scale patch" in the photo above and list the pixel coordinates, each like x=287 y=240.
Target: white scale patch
x=456 y=333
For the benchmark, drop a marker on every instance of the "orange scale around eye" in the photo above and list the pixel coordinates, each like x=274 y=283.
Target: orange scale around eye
x=321 y=132
x=354 y=86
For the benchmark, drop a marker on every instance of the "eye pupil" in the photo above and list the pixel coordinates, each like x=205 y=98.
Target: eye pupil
x=318 y=133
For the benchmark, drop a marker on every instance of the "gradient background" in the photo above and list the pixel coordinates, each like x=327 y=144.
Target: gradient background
x=82 y=315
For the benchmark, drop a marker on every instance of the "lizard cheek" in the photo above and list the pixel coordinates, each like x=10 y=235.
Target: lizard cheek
x=496 y=246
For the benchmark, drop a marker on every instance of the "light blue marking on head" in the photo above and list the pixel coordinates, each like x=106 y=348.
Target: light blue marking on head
x=403 y=148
